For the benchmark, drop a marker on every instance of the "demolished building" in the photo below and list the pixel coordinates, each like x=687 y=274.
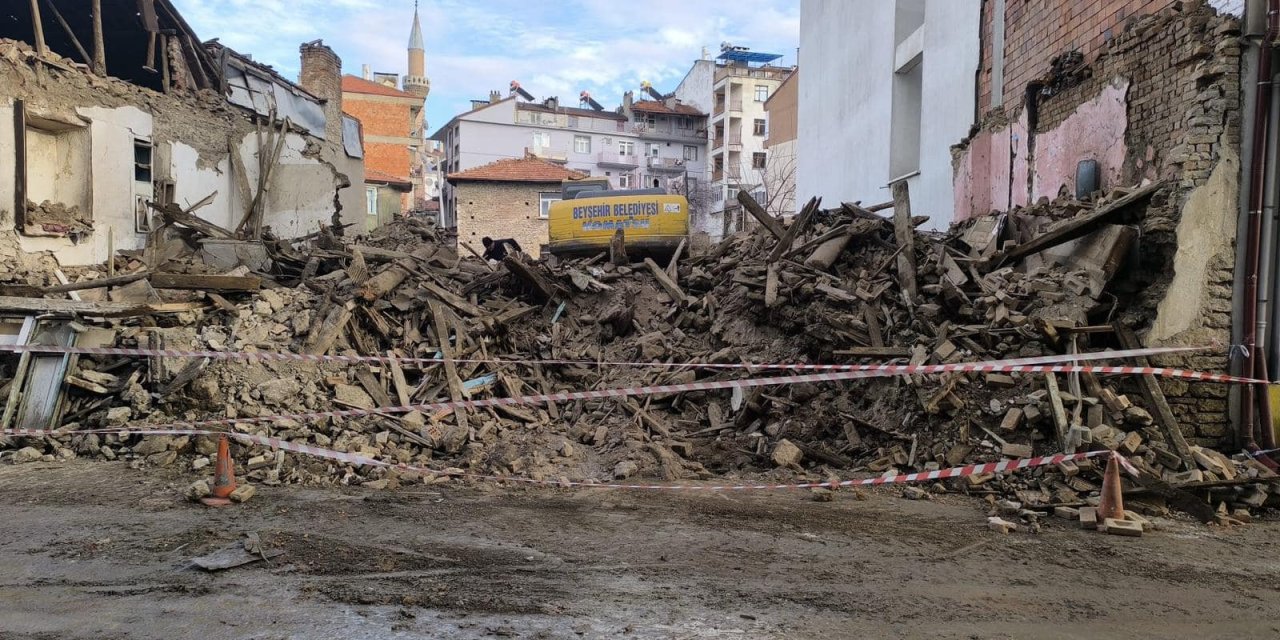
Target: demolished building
x=113 y=110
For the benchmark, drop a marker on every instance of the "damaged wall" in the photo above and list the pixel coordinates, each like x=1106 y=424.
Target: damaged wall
x=1157 y=97
x=189 y=136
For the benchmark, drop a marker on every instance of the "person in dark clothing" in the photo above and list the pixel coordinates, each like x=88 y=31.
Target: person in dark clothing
x=497 y=249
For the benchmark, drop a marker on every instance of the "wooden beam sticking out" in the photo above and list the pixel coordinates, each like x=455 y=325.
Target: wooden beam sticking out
x=905 y=234
x=454 y=383
x=1071 y=229
x=93 y=309
x=618 y=249
x=1060 y=423
x=668 y=284
x=98 y=283
x=322 y=339
x=1155 y=398
x=57 y=15
x=194 y=282
x=173 y=214
x=38 y=25
x=771 y=223
x=797 y=227
x=673 y=267
x=99 y=47
x=874 y=352
x=544 y=289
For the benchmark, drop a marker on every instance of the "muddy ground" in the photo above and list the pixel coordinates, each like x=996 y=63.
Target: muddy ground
x=98 y=550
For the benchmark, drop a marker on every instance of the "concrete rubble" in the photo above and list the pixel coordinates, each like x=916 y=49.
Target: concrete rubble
x=842 y=285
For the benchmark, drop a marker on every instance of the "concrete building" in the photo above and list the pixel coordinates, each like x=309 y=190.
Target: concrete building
x=507 y=198
x=887 y=104
x=392 y=115
x=643 y=143
x=741 y=83
x=782 y=110
x=87 y=150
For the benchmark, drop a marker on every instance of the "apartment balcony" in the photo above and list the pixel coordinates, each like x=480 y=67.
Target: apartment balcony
x=674 y=165
x=758 y=73
x=613 y=159
x=717 y=143
x=735 y=105
x=667 y=130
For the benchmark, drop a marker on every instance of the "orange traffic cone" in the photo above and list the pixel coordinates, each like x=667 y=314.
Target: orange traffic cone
x=224 y=477
x=1112 y=505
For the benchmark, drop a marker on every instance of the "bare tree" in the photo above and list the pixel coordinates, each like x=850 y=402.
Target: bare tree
x=774 y=185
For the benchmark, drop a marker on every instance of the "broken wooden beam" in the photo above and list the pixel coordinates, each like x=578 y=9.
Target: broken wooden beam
x=905 y=235
x=94 y=309
x=668 y=284
x=173 y=214
x=797 y=227
x=322 y=339
x=771 y=223
x=543 y=288
x=1155 y=398
x=193 y=282
x=1071 y=229
x=874 y=352
x=387 y=280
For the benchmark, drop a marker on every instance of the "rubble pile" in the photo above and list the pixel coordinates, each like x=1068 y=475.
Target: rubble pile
x=842 y=285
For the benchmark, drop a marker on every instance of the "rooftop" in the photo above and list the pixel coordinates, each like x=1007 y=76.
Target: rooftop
x=516 y=170
x=653 y=106
x=375 y=176
x=573 y=111
x=354 y=84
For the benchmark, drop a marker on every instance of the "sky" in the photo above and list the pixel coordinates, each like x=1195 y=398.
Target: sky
x=552 y=47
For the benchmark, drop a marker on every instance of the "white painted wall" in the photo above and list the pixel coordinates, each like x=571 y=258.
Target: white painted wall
x=846 y=113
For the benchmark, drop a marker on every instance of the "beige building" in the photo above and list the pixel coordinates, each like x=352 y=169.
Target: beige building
x=509 y=198
x=781 y=111
x=743 y=81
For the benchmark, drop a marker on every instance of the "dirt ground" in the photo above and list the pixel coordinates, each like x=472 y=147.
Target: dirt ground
x=99 y=550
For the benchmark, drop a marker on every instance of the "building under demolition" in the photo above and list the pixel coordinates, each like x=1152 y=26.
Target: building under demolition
x=121 y=113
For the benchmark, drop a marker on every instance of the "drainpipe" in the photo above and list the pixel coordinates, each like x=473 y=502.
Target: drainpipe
x=1255 y=407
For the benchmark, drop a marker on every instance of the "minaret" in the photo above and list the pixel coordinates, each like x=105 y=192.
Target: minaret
x=416 y=81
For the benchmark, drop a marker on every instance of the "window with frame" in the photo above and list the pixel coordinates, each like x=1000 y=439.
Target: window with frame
x=626 y=148
x=371 y=200
x=758 y=127
x=624 y=181
x=541 y=139
x=684 y=122
x=582 y=144
x=757 y=160
x=545 y=199
x=573 y=122
x=762 y=92
x=690 y=152
x=652 y=149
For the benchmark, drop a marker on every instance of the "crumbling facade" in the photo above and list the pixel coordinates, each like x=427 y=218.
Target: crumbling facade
x=1122 y=94
x=225 y=139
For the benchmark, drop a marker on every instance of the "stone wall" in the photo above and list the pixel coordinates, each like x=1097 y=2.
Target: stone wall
x=502 y=210
x=1156 y=100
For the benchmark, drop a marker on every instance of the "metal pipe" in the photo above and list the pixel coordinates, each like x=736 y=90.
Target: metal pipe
x=1252 y=403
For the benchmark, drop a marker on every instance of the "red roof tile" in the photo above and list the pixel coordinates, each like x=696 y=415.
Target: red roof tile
x=373 y=175
x=352 y=84
x=516 y=170
x=653 y=106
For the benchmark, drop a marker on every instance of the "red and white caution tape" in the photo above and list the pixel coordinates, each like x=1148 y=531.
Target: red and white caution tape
x=268 y=356
x=1002 y=466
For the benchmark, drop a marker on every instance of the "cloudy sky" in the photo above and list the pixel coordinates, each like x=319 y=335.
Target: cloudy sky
x=553 y=47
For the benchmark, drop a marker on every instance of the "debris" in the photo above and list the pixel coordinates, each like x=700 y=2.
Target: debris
x=1000 y=525
x=787 y=454
x=1121 y=528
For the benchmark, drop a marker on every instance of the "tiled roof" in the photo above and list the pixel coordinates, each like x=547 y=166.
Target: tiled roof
x=516 y=170
x=352 y=84
x=373 y=175
x=573 y=111
x=653 y=106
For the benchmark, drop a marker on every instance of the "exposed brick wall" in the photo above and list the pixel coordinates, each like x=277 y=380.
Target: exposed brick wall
x=380 y=118
x=322 y=75
x=502 y=210
x=1180 y=64
x=1036 y=31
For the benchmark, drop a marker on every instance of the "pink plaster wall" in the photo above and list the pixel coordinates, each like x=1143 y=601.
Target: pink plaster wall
x=993 y=173
x=1095 y=131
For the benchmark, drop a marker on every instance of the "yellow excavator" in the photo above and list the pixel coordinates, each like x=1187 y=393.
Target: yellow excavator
x=585 y=220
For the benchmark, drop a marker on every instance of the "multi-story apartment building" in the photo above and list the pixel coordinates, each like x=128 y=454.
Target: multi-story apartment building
x=742 y=82
x=645 y=143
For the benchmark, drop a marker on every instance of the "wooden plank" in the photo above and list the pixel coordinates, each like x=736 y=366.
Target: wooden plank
x=874 y=352
x=618 y=248
x=456 y=393
x=871 y=315
x=797 y=227
x=99 y=47
x=668 y=284
x=38 y=26
x=71 y=35
x=397 y=379
x=98 y=283
x=905 y=235
x=1059 y=411
x=543 y=289
x=771 y=223
x=1070 y=230
x=771 y=286
x=673 y=267
x=175 y=215
x=1155 y=398
x=95 y=309
x=193 y=282
x=322 y=339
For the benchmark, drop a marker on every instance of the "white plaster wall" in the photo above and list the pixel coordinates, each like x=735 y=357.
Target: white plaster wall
x=112 y=132
x=845 y=118
x=193 y=183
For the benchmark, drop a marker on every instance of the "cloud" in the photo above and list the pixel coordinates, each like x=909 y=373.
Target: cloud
x=553 y=48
